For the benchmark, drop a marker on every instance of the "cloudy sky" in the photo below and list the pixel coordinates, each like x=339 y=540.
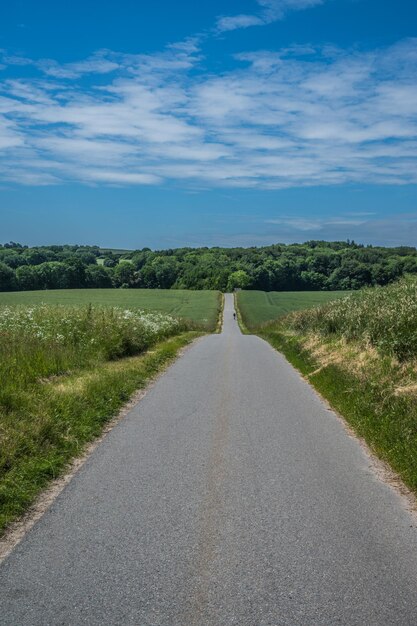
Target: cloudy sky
x=162 y=124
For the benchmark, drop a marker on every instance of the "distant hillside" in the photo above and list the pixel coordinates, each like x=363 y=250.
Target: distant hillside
x=311 y=266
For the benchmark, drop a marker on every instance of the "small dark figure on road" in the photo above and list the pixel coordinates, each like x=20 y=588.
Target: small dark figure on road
x=234 y=316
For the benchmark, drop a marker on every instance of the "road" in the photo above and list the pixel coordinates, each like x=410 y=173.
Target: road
x=230 y=495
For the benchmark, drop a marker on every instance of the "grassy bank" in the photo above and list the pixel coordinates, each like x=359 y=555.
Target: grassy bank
x=201 y=307
x=260 y=307
x=361 y=354
x=65 y=371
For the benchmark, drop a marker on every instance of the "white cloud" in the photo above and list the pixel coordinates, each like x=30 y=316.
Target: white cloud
x=271 y=11
x=96 y=64
x=238 y=21
x=278 y=119
x=305 y=224
x=370 y=228
x=276 y=9
x=122 y=178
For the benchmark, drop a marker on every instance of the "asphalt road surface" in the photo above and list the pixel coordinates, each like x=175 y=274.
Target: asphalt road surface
x=230 y=495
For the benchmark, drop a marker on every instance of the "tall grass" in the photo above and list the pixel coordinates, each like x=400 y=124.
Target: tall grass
x=43 y=341
x=384 y=317
x=62 y=376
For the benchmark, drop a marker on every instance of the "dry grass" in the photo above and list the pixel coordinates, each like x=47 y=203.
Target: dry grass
x=382 y=317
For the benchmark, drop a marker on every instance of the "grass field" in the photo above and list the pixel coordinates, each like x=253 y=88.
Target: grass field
x=259 y=307
x=201 y=307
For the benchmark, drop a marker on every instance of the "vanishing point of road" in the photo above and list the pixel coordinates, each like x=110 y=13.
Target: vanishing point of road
x=229 y=495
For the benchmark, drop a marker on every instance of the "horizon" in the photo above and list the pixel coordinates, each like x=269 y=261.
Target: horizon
x=273 y=120
x=120 y=250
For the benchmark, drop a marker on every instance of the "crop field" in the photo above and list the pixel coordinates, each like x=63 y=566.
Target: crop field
x=201 y=307
x=259 y=307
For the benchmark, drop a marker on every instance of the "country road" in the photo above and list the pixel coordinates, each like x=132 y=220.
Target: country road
x=230 y=495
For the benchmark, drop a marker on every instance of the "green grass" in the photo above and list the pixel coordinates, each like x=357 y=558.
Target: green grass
x=49 y=340
x=69 y=359
x=384 y=317
x=259 y=307
x=201 y=307
x=361 y=355
x=65 y=370
x=378 y=399
x=55 y=419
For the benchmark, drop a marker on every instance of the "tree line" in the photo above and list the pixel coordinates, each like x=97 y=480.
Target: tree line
x=314 y=265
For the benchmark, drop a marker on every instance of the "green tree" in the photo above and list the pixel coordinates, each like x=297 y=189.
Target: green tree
x=7 y=278
x=35 y=257
x=313 y=281
x=238 y=280
x=124 y=275
x=75 y=276
x=98 y=277
x=52 y=275
x=27 y=278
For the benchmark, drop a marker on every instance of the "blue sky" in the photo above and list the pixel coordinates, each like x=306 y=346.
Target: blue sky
x=165 y=124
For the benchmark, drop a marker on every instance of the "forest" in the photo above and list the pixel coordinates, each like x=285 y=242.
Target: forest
x=314 y=265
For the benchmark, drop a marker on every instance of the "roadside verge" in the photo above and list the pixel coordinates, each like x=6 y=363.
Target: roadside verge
x=369 y=391
x=77 y=408
x=374 y=395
